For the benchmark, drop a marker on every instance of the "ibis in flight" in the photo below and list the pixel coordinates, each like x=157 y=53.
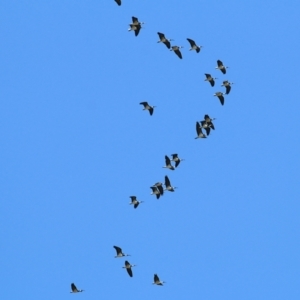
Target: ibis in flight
x=200 y=134
x=194 y=46
x=168 y=185
x=220 y=96
x=176 y=159
x=134 y=201
x=164 y=40
x=148 y=107
x=221 y=67
x=135 y=26
x=157 y=281
x=227 y=85
x=210 y=79
x=119 y=252
x=168 y=163
x=155 y=191
x=159 y=185
x=128 y=267
x=74 y=289
x=176 y=49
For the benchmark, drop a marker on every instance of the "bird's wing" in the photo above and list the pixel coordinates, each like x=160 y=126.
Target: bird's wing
x=178 y=53
x=118 y=249
x=212 y=126
x=129 y=271
x=223 y=70
x=161 y=190
x=207 y=129
x=137 y=30
x=228 y=88
x=136 y=205
x=132 y=198
x=208 y=76
x=118 y=2
x=221 y=99
x=192 y=43
x=156 y=279
x=174 y=155
x=177 y=163
x=167 y=181
x=151 y=111
x=219 y=63
x=198 y=49
x=73 y=287
x=161 y=35
x=135 y=20
x=198 y=128
x=144 y=103
x=167 y=43
x=168 y=162
x=157 y=196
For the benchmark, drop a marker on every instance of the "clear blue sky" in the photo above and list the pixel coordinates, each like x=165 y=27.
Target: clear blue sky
x=75 y=144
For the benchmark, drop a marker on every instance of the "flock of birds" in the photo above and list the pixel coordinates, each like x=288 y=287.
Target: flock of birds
x=206 y=124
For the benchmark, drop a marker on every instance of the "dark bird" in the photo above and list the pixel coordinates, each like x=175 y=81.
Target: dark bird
x=168 y=163
x=220 y=96
x=118 y=2
x=227 y=85
x=119 y=252
x=164 y=40
x=74 y=289
x=221 y=67
x=157 y=281
x=176 y=159
x=177 y=51
x=168 y=185
x=128 y=267
x=155 y=191
x=134 y=201
x=148 y=107
x=200 y=134
x=194 y=46
x=210 y=79
x=135 y=26
x=159 y=186
x=207 y=124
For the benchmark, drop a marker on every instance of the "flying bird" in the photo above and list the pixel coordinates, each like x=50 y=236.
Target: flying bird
x=74 y=289
x=168 y=185
x=194 y=46
x=159 y=186
x=135 y=26
x=207 y=124
x=227 y=85
x=134 y=201
x=164 y=40
x=119 y=252
x=148 y=107
x=118 y=2
x=221 y=67
x=128 y=267
x=155 y=191
x=157 y=281
x=176 y=159
x=177 y=51
x=200 y=134
x=168 y=163
x=210 y=79
x=220 y=96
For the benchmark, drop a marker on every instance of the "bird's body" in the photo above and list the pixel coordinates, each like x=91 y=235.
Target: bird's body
x=168 y=185
x=210 y=79
x=119 y=252
x=148 y=107
x=118 y=2
x=206 y=127
x=227 y=85
x=128 y=267
x=136 y=26
x=220 y=95
x=200 y=134
x=176 y=49
x=176 y=159
x=74 y=289
x=194 y=46
x=134 y=201
x=164 y=40
x=155 y=191
x=168 y=163
x=221 y=67
x=157 y=281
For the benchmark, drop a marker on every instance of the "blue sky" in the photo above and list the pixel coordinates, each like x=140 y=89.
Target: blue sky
x=75 y=144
